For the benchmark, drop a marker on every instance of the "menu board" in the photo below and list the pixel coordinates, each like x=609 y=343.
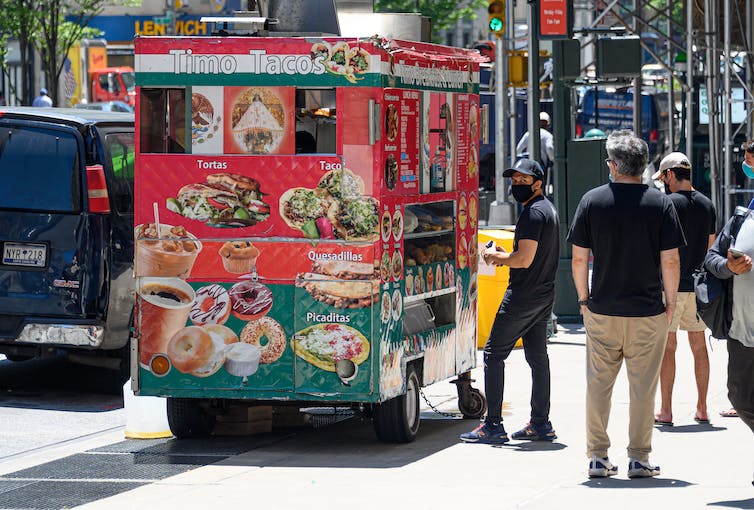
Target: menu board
x=401 y=142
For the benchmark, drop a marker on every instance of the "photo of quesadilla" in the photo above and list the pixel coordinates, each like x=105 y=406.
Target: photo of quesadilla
x=323 y=345
x=341 y=284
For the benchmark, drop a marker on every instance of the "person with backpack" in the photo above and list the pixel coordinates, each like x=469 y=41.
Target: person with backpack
x=730 y=260
x=697 y=216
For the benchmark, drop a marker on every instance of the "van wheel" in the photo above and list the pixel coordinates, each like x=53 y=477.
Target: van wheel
x=397 y=420
x=187 y=418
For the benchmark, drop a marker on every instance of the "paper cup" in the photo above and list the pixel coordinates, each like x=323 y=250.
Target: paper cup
x=162 y=308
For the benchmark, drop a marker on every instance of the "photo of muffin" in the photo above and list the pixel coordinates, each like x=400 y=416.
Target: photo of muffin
x=239 y=257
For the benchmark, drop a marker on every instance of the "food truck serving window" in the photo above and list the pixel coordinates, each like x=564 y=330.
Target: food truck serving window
x=315 y=121
x=163 y=121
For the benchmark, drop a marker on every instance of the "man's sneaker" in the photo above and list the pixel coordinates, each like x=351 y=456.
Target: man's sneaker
x=486 y=433
x=639 y=469
x=536 y=432
x=601 y=467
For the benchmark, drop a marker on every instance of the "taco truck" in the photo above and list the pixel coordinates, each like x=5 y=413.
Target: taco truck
x=306 y=225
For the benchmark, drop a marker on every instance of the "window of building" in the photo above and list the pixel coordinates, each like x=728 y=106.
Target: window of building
x=316 y=121
x=163 y=121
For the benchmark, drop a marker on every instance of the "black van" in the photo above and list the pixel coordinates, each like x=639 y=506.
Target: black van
x=66 y=234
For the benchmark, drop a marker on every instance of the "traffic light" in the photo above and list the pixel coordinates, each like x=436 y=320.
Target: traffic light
x=496 y=11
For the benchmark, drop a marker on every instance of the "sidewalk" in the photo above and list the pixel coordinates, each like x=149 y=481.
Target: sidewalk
x=702 y=465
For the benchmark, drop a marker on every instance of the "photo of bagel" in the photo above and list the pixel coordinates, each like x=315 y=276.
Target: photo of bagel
x=259 y=121
x=342 y=183
x=223 y=200
x=199 y=351
x=323 y=345
x=356 y=219
x=267 y=334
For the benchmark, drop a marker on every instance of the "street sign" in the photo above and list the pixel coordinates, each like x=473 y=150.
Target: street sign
x=555 y=19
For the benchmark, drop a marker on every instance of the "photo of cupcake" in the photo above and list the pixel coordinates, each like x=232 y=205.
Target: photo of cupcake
x=239 y=257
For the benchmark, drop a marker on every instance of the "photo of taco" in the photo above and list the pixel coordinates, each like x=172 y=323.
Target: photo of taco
x=340 y=56
x=359 y=61
x=356 y=219
x=320 y=50
x=258 y=120
x=301 y=205
x=323 y=345
x=342 y=183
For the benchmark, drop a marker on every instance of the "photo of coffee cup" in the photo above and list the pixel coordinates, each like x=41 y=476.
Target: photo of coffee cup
x=172 y=252
x=162 y=308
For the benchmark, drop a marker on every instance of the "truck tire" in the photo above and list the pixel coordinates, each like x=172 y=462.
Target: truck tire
x=187 y=418
x=397 y=420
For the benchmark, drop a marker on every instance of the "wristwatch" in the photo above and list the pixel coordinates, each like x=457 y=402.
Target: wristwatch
x=583 y=302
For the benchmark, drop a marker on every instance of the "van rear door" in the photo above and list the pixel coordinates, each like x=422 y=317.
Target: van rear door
x=46 y=270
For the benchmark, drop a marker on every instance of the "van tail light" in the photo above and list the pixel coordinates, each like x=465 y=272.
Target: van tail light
x=99 y=201
x=579 y=131
x=653 y=135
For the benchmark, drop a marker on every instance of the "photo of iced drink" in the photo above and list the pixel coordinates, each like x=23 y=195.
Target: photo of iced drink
x=162 y=308
x=171 y=253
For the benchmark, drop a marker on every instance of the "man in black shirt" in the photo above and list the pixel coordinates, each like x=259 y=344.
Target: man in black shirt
x=697 y=216
x=525 y=309
x=633 y=233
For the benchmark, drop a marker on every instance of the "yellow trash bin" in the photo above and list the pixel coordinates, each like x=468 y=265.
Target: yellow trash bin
x=493 y=280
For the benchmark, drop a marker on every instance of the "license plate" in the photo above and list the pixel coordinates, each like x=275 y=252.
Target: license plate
x=26 y=255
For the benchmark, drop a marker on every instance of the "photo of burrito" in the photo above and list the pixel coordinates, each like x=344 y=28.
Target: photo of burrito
x=341 y=284
x=258 y=120
x=356 y=219
x=323 y=345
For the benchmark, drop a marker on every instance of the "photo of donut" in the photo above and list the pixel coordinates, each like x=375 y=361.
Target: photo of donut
x=386 y=226
x=397 y=265
x=391 y=171
x=204 y=122
x=385 y=308
x=385 y=267
x=391 y=122
x=211 y=305
x=267 y=334
x=397 y=225
x=462 y=211
x=250 y=300
x=258 y=119
x=397 y=305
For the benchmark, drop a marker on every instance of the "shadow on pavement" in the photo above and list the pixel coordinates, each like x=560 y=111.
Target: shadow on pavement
x=696 y=427
x=636 y=483
x=536 y=446
x=353 y=444
x=741 y=503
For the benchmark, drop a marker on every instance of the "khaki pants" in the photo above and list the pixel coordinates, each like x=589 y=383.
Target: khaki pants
x=610 y=340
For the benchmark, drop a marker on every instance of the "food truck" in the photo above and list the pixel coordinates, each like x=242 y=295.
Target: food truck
x=306 y=225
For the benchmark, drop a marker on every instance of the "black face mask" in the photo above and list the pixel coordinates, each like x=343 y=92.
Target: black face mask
x=522 y=192
x=667 y=189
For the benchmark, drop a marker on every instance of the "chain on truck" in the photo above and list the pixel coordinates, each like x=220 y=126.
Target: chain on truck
x=306 y=225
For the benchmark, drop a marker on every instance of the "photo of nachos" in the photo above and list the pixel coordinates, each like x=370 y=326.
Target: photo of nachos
x=258 y=120
x=323 y=345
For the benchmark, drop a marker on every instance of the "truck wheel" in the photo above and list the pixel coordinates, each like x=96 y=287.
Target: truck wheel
x=473 y=404
x=188 y=419
x=397 y=420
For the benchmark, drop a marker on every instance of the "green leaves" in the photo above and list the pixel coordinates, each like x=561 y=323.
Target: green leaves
x=443 y=13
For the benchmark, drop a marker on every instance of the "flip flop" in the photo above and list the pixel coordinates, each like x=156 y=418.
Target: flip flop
x=700 y=421
x=664 y=423
x=729 y=413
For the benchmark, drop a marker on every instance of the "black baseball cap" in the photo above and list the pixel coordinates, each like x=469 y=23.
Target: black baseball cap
x=527 y=167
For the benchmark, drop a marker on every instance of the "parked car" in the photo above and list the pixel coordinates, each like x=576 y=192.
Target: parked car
x=66 y=234
x=107 y=106
x=613 y=110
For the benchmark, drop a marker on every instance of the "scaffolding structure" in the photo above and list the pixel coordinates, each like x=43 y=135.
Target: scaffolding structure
x=683 y=36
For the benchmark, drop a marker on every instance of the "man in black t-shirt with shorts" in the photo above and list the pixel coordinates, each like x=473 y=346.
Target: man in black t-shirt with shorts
x=697 y=216
x=634 y=234
x=525 y=309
